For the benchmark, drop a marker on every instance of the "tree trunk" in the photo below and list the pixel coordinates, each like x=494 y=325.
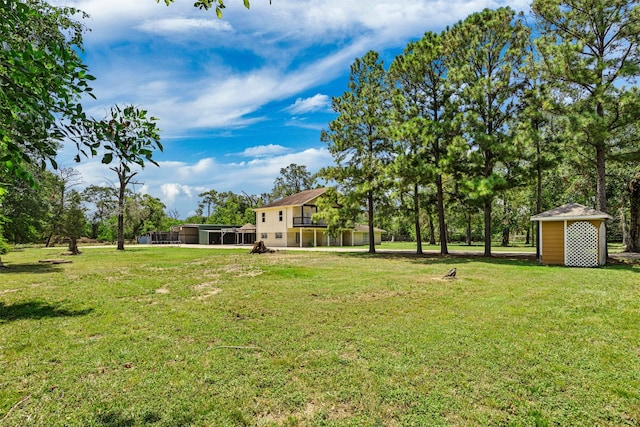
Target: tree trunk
x=534 y=234
x=372 y=236
x=94 y=230
x=633 y=244
x=623 y=221
x=601 y=183
x=442 y=226
x=487 y=228
x=73 y=246
x=469 y=230
x=538 y=192
x=505 y=226
x=432 y=229
x=416 y=212
x=528 y=238
x=121 y=190
x=505 y=236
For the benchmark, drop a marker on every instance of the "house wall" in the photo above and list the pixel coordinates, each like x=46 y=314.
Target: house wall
x=552 y=242
x=273 y=225
x=189 y=235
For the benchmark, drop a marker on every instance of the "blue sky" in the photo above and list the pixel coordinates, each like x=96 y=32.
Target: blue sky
x=239 y=98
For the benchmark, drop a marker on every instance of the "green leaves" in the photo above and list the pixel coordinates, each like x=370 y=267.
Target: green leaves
x=208 y=4
x=43 y=80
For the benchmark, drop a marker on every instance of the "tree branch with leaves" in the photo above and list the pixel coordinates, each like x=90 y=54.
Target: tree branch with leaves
x=128 y=136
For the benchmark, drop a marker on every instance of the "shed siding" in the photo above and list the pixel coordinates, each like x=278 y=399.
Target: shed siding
x=552 y=242
x=601 y=247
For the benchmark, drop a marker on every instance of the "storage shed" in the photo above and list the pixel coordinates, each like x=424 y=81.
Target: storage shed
x=572 y=235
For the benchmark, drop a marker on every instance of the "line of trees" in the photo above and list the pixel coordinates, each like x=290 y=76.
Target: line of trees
x=494 y=119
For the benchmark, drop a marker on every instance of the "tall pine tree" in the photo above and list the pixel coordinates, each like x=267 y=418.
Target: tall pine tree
x=357 y=139
x=590 y=50
x=423 y=123
x=486 y=53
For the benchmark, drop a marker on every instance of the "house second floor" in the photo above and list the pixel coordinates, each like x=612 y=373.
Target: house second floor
x=295 y=211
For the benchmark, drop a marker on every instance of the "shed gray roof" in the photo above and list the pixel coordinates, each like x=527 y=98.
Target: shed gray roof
x=297 y=199
x=570 y=211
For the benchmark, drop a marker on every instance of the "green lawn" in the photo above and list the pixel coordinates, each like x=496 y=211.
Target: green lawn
x=174 y=337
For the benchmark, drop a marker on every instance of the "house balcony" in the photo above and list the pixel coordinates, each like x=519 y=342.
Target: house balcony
x=300 y=221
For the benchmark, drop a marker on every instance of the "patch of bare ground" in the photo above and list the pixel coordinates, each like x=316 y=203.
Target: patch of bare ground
x=206 y=290
x=241 y=270
x=9 y=291
x=163 y=291
x=306 y=415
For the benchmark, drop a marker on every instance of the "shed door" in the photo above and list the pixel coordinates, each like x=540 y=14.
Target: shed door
x=582 y=245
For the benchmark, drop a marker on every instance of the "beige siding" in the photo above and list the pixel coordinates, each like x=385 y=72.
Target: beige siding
x=552 y=242
x=271 y=226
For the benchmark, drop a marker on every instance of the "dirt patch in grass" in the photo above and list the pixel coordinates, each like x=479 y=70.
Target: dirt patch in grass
x=240 y=270
x=206 y=290
x=163 y=291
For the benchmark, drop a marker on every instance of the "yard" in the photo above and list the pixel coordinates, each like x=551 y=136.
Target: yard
x=164 y=336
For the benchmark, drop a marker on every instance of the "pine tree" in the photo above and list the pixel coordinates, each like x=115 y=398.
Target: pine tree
x=358 y=140
x=486 y=53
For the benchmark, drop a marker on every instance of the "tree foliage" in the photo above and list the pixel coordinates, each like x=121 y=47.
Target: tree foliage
x=358 y=138
x=292 y=180
x=590 y=50
x=128 y=136
x=423 y=124
x=487 y=52
x=42 y=79
x=208 y=4
x=73 y=221
x=228 y=207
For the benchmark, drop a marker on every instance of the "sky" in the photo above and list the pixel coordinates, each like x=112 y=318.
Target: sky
x=238 y=98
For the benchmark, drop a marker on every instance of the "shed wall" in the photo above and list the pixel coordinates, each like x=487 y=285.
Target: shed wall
x=552 y=242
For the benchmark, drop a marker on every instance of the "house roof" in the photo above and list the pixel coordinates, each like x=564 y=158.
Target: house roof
x=248 y=227
x=297 y=199
x=570 y=211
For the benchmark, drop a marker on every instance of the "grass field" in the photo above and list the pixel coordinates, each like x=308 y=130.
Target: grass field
x=164 y=336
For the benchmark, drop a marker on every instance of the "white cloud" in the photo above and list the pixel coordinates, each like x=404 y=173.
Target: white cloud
x=318 y=102
x=264 y=150
x=177 y=184
x=168 y=26
x=169 y=192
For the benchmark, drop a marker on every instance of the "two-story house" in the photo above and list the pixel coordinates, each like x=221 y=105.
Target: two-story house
x=288 y=223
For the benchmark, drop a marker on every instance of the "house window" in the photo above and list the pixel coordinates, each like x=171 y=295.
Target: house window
x=280 y=216
x=264 y=216
x=278 y=235
x=263 y=235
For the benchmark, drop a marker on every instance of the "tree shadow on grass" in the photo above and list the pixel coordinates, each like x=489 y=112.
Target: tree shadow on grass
x=452 y=258
x=498 y=258
x=40 y=268
x=36 y=310
x=119 y=419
